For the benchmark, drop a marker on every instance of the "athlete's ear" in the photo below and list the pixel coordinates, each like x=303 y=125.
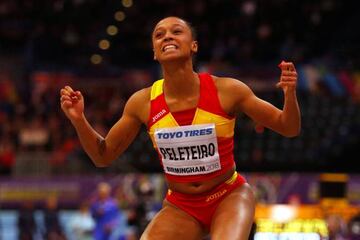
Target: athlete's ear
x=154 y=54
x=194 y=46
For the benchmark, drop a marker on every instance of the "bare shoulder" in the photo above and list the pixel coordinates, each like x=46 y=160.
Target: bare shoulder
x=229 y=84
x=138 y=105
x=232 y=93
x=141 y=96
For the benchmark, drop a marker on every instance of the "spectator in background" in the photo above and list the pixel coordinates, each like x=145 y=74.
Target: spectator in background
x=354 y=227
x=337 y=227
x=294 y=200
x=142 y=210
x=106 y=212
x=82 y=224
x=26 y=221
x=34 y=135
x=53 y=229
x=7 y=156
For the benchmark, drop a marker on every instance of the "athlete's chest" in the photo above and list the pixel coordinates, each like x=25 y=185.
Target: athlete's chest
x=179 y=104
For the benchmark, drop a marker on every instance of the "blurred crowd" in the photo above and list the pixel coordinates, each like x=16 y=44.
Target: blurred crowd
x=37 y=139
x=107 y=214
x=65 y=33
x=112 y=212
x=47 y=44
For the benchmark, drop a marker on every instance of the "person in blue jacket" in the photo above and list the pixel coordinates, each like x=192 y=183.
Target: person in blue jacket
x=106 y=213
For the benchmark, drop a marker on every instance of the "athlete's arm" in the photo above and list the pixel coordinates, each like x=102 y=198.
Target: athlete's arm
x=103 y=150
x=238 y=97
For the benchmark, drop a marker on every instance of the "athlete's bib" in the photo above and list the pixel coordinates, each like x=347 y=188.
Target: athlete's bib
x=188 y=150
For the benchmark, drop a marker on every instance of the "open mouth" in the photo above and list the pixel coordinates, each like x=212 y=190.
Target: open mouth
x=169 y=47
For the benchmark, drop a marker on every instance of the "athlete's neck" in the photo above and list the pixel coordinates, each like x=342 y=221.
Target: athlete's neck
x=180 y=80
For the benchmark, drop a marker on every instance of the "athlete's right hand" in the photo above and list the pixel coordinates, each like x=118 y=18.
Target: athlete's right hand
x=72 y=103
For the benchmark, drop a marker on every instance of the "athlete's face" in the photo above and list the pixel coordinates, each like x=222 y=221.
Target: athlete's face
x=172 y=40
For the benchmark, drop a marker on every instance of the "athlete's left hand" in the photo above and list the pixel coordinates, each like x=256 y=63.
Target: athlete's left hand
x=288 y=81
x=288 y=77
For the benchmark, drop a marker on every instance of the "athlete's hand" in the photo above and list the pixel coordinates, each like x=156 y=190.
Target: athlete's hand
x=288 y=77
x=72 y=103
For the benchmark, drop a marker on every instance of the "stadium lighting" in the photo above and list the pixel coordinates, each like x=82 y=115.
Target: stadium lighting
x=112 y=30
x=127 y=3
x=119 y=16
x=96 y=59
x=283 y=213
x=104 y=44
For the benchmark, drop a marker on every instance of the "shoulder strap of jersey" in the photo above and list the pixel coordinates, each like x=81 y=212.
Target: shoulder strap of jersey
x=209 y=100
x=156 y=89
x=158 y=107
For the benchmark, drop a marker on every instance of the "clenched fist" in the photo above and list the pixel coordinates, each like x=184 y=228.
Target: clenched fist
x=288 y=77
x=72 y=103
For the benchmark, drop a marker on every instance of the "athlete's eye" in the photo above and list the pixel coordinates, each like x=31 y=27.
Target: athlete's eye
x=157 y=34
x=177 y=31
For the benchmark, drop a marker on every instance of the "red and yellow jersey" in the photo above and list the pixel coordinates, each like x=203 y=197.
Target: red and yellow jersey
x=195 y=152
